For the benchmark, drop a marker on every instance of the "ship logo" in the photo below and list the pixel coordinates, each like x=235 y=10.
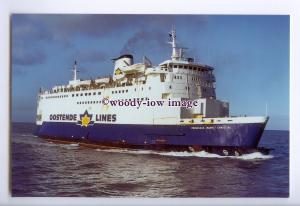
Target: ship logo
x=118 y=71
x=86 y=119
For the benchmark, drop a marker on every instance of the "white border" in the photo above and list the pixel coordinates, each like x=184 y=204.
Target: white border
x=290 y=7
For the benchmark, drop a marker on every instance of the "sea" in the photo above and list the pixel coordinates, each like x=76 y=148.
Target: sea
x=40 y=168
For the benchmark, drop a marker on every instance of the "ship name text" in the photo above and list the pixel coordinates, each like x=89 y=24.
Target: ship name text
x=73 y=117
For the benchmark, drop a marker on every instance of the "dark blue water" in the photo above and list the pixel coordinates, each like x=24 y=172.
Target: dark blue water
x=41 y=168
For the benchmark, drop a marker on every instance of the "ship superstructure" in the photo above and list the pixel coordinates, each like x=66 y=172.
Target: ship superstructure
x=82 y=111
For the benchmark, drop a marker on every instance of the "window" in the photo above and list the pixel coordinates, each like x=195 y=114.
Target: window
x=90 y=94
x=122 y=91
x=149 y=88
x=180 y=66
x=76 y=95
x=126 y=90
x=85 y=94
x=99 y=93
x=72 y=95
x=175 y=66
x=190 y=67
x=94 y=93
x=170 y=87
x=81 y=94
x=112 y=92
x=185 y=67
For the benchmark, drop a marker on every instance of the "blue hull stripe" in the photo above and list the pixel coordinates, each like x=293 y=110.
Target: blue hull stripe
x=237 y=135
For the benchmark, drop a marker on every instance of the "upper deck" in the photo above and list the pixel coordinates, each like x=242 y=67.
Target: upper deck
x=178 y=76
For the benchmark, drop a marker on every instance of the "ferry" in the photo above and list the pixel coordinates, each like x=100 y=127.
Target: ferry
x=171 y=106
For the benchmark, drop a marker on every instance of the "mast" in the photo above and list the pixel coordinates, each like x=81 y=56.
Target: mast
x=173 y=43
x=75 y=71
x=177 y=52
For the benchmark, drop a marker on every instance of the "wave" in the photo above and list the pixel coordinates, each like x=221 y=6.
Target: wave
x=255 y=155
x=202 y=154
x=27 y=135
x=250 y=156
x=68 y=146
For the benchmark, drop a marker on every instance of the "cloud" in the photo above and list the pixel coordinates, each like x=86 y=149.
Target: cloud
x=28 y=58
x=92 y=56
x=61 y=30
x=62 y=27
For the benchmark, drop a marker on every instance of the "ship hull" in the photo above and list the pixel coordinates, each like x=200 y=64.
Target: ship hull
x=158 y=137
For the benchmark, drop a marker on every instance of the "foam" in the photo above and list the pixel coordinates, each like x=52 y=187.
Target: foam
x=202 y=154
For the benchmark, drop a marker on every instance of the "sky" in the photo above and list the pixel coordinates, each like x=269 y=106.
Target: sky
x=250 y=54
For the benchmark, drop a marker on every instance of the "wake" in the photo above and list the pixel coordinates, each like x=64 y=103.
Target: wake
x=202 y=154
